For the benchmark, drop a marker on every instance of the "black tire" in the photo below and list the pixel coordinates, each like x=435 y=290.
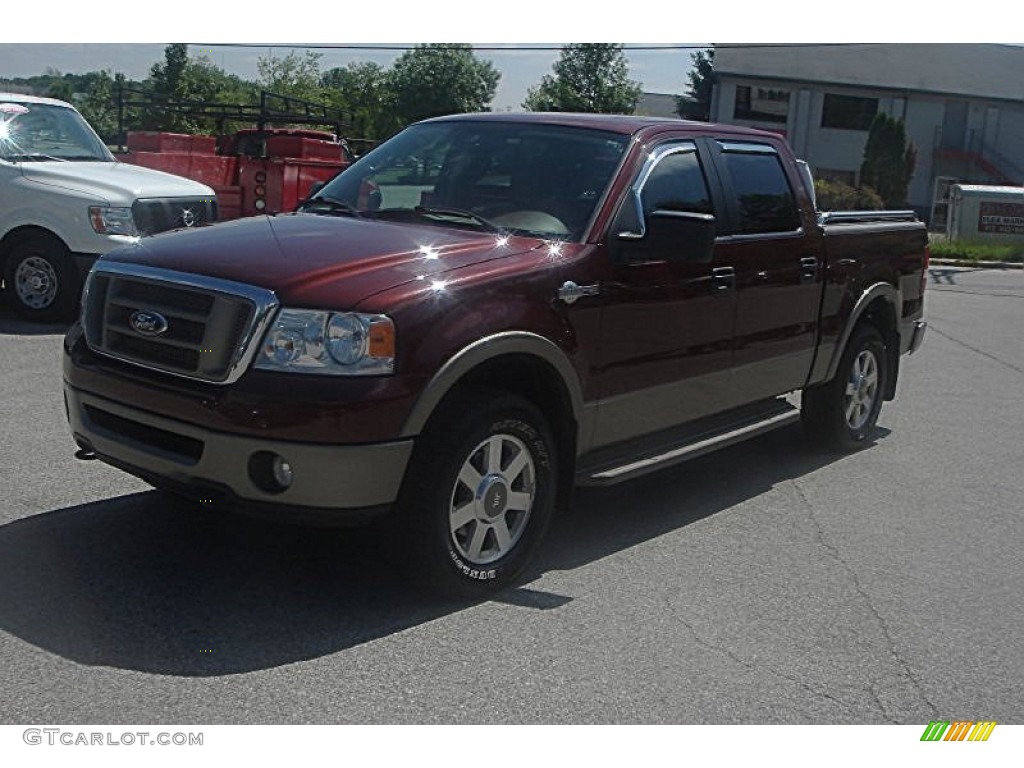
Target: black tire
x=841 y=414
x=41 y=282
x=469 y=517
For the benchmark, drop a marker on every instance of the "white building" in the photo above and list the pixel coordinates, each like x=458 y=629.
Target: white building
x=962 y=105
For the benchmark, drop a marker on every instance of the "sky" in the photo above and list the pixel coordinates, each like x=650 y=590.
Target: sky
x=129 y=38
x=659 y=71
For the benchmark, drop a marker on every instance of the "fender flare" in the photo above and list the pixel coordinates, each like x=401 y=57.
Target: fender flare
x=11 y=236
x=875 y=291
x=489 y=348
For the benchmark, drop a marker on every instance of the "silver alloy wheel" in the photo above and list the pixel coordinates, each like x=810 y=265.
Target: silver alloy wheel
x=492 y=499
x=861 y=390
x=36 y=282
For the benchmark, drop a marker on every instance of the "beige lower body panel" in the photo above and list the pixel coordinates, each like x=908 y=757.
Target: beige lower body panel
x=324 y=476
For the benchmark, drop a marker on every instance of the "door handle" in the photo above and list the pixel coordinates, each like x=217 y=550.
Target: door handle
x=808 y=269
x=723 y=280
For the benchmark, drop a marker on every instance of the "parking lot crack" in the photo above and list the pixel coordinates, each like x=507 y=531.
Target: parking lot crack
x=975 y=349
x=883 y=626
x=732 y=655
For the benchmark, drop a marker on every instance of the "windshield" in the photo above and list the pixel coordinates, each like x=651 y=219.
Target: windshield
x=523 y=178
x=37 y=132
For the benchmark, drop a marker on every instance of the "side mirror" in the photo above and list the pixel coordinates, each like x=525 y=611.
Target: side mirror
x=677 y=236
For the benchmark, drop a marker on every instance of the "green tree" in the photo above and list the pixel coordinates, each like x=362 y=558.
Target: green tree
x=360 y=91
x=167 y=79
x=97 y=104
x=440 y=79
x=181 y=78
x=61 y=88
x=292 y=75
x=889 y=161
x=588 y=77
x=696 y=105
x=39 y=84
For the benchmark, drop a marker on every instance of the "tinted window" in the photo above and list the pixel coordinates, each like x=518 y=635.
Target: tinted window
x=676 y=183
x=528 y=178
x=766 y=202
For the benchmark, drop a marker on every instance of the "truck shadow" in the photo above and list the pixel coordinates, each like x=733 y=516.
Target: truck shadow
x=138 y=582
x=13 y=325
x=946 y=276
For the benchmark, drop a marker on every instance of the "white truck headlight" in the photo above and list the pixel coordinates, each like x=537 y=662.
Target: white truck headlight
x=337 y=343
x=108 y=220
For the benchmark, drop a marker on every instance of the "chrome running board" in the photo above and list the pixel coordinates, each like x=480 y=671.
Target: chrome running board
x=777 y=414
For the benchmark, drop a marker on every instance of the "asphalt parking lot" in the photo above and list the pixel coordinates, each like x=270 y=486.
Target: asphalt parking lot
x=767 y=583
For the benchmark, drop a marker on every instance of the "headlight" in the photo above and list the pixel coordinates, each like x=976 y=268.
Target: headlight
x=338 y=343
x=112 y=221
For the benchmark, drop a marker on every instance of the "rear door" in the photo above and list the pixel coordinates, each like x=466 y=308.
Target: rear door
x=775 y=249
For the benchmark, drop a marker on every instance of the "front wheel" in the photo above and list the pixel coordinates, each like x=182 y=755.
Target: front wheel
x=41 y=280
x=842 y=413
x=478 y=496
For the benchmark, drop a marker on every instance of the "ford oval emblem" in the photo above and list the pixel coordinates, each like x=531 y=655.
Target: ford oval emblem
x=145 y=322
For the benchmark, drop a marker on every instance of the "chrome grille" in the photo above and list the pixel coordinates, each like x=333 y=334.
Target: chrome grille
x=177 y=323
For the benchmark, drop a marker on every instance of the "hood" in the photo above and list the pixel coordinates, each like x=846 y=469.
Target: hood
x=117 y=183
x=325 y=262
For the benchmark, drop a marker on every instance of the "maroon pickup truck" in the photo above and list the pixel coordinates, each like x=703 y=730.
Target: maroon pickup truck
x=484 y=312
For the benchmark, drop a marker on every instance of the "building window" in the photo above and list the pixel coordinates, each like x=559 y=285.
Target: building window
x=854 y=113
x=770 y=105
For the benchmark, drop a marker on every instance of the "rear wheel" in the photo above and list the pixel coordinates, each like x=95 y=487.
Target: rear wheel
x=843 y=412
x=41 y=281
x=478 y=496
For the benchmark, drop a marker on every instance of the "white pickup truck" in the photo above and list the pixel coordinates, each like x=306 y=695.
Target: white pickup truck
x=65 y=200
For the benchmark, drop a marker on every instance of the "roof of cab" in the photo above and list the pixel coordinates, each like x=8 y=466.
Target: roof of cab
x=24 y=98
x=625 y=124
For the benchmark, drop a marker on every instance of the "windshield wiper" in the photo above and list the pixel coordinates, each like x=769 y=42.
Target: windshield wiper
x=34 y=157
x=329 y=205
x=429 y=212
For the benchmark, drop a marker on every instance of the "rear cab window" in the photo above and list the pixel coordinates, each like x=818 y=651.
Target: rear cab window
x=762 y=197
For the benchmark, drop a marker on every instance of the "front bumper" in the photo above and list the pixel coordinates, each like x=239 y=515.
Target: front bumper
x=327 y=480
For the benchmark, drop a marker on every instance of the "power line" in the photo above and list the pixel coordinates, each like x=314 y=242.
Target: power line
x=370 y=47
x=390 y=48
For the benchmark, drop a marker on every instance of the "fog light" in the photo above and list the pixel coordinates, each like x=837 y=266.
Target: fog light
x=270 y=472
x=282 y=471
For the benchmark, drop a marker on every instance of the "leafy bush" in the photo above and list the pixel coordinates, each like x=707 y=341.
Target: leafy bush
x=837 y=196
x=967 y=250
